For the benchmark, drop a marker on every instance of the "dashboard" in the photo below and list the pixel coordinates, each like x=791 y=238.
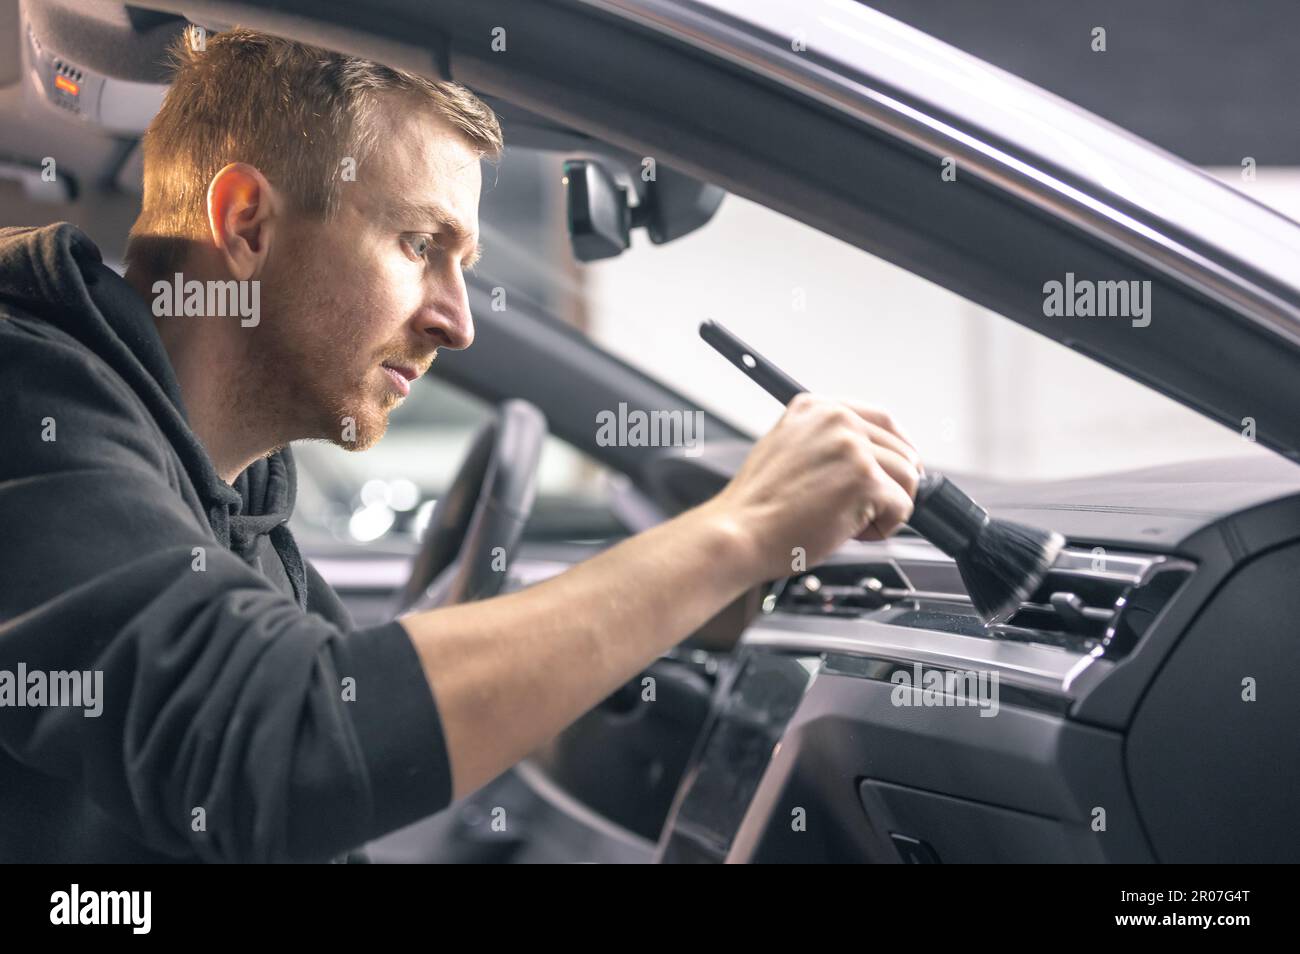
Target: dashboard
x=1112 y=710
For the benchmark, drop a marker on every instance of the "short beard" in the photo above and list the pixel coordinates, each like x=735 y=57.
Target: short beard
x=293 y=376
x=359 y=423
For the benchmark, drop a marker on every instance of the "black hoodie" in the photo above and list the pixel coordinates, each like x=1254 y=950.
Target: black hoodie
x=243 y=717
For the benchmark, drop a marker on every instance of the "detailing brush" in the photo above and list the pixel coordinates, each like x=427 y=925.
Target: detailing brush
x=1001 y=562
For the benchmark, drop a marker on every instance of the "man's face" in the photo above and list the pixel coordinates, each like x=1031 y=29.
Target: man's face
x=355 y=306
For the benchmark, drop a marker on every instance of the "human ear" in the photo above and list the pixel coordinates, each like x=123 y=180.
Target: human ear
x=242 y=215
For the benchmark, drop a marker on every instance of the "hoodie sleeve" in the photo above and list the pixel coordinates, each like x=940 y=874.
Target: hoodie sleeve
x=232 y=725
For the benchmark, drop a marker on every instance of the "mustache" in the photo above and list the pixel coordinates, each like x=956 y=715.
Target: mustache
x=420 y=363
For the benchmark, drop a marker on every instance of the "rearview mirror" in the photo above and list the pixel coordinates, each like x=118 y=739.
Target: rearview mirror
x=601 y=220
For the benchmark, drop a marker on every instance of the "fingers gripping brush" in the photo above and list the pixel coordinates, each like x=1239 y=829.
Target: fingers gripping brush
x=1001 y=562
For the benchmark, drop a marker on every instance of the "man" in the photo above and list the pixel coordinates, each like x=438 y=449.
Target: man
x=145 y=483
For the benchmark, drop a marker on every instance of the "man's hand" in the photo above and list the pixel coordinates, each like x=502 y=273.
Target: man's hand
x=510 y=672
x=828 y=471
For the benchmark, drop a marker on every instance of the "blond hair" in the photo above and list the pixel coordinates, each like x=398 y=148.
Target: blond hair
x=291 y=110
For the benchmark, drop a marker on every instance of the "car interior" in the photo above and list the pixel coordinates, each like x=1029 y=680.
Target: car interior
x=1120 y=735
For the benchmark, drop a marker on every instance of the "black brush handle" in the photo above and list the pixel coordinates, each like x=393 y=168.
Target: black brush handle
x=942 y=513
x=761 y=371
x=945 y=516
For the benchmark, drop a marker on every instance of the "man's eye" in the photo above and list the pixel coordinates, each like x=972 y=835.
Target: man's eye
x=418 y=245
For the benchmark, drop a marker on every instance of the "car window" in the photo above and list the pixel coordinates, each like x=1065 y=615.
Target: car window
x=978 y=393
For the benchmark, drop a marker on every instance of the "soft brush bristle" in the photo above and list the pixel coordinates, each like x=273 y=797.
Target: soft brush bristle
x=1004 y=566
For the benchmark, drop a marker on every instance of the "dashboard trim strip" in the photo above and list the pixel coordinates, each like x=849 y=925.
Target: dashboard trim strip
x=1039 y=668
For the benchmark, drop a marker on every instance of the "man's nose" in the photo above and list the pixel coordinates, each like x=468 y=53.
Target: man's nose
x=448 y=322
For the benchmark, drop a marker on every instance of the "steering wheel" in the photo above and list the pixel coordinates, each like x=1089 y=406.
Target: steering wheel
x=476 y=525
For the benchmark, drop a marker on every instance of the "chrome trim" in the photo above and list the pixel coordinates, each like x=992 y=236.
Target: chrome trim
x=1035 y=666
x=1126 y=565
x=893 y=595
x=1118 y=566
x=692 y=25
x=1079 y=668
x=1133 y=568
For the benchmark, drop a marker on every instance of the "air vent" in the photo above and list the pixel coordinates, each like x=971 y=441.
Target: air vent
x=1079 y=603
x=844 y=590
x=1089 y=599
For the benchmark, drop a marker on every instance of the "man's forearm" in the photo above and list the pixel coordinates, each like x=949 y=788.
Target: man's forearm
x=510 y=672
